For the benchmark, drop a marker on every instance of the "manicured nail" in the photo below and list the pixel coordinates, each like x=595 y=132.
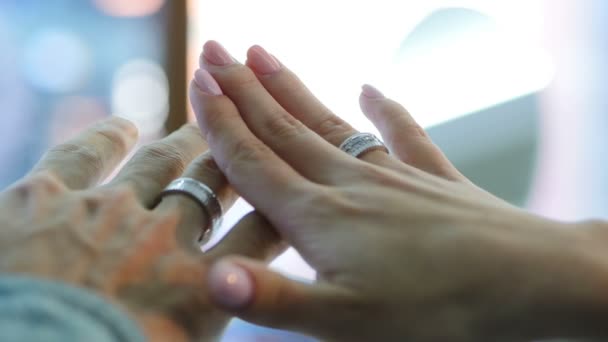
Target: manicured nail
x=230 y=285
x=216 y=54
x=262 y=62
x=206 y=83
x=371 y=92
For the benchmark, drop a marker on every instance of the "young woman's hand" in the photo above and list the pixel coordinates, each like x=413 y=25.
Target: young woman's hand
x=58 y=223
x=405 y=247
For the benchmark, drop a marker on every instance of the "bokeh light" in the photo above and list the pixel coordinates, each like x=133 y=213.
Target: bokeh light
x=73 y=114
x=130 y=8
x=57 y=61
x=140 y=93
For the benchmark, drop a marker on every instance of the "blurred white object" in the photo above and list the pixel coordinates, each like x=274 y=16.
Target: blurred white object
x=441 y=59
x=140 y=93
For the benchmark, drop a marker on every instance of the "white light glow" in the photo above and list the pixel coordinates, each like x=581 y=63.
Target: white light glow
x=140 y=93
x=57 y=61
x=337 y=46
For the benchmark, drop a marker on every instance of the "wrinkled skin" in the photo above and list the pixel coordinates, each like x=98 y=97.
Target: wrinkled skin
x=59 y=224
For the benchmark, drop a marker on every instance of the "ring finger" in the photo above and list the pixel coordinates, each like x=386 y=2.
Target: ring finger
x=285 y=87
x=154 y=166
x=193 y=216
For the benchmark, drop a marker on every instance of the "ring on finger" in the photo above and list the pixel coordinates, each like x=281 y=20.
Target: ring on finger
x=360 y=143
x=203 y=196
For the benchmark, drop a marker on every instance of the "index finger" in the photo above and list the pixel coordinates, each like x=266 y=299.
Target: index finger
x=260 y=176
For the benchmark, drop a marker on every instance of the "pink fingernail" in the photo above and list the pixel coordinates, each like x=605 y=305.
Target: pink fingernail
x=230 y=285
x=206 y=83
x=371 y=92
x=262 y=62
x=216 y=54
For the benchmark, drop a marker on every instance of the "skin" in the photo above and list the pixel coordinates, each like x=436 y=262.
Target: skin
x=58 y=223
x=406 y=248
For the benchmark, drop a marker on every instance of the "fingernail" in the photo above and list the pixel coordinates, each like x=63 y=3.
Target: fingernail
x=262 y=62
x=371 y=92
x=230 y=285
x=206 y=83
x=216 y=54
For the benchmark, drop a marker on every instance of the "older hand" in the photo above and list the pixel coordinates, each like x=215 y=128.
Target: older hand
x=58 y=224
x=406 y=248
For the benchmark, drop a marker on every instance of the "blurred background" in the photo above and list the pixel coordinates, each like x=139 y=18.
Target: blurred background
x=515 y=92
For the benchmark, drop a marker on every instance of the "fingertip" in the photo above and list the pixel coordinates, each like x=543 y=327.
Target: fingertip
x=231 y=287
x=371 y=92
x=215 y=54
x=125 y=125
x=369 y=99
x=262 y=62
x=206 y=83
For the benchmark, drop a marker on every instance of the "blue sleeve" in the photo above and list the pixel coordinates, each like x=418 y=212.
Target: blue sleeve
x=37 y=310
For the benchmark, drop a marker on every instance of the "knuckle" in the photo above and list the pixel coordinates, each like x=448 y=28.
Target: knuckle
x=192 y=130
x=332 y=128
x=170 y=156
x=45 y=181
x=213 y=122
x=246 y=153
x=282 y=125
x=289 y=83
x=243 y=78
x=115 y=138
x=124 y=125
x=396 y=113
x=206 y=165
x=414 y=129
x=85 y=153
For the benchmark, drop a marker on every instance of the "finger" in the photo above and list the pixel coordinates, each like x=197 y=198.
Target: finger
x=304 y=150
x=250 y=291
x=260 y=176
x=154 y=166
x=287 y=89
x=253 y=237
x=90 y=157
x=404 y=136
x=194 y=219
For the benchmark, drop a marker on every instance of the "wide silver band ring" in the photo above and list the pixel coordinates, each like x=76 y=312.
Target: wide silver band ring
x=359 y=143
x=204 y=196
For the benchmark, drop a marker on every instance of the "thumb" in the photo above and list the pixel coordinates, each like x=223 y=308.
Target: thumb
x=252 y=292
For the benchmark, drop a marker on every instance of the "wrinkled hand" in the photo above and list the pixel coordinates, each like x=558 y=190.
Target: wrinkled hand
x=405 y=247
x=58 y=224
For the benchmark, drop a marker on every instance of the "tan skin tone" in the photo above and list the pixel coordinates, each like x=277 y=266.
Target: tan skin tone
x=58 y=223
x=406 y=248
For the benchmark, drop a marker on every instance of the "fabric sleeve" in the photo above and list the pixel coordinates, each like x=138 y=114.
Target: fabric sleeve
x=40 y=310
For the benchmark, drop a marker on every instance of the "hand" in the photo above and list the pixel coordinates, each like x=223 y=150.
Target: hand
x=58 y=224
x=405 y=247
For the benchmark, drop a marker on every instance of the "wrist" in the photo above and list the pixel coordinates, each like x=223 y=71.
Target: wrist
x=564 y=291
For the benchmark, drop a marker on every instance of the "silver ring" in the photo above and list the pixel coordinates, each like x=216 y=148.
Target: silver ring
x=204 y=196
x=359 y=143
